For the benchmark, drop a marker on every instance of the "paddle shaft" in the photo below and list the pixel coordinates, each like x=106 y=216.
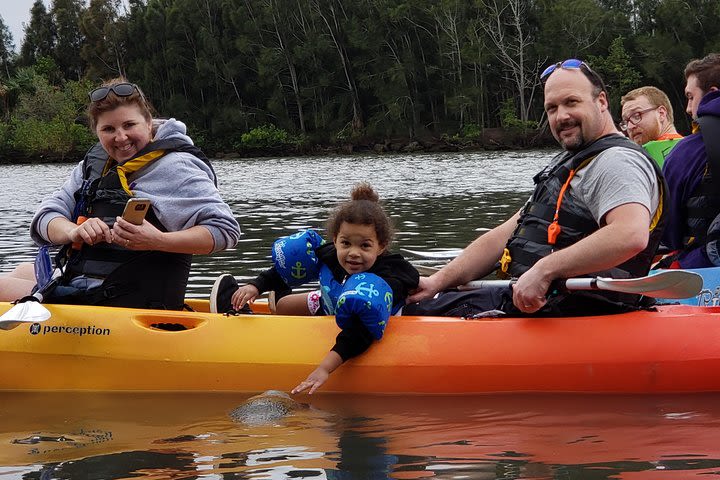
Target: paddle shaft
x=664 y=284
x=569 y=284
x=671 y=284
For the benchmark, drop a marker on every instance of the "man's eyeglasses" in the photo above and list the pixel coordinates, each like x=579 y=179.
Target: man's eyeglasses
x=635 y=118
x=575 y=64
x=119 y=89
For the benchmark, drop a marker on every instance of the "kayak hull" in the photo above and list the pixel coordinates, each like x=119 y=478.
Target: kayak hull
x=81 y=348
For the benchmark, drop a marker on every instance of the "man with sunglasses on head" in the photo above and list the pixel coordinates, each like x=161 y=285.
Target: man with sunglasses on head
x=647 y=119
x=595 y=211
x=693 y=173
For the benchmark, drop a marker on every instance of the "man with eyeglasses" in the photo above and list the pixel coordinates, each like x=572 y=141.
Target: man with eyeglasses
x=594 y=211
x=693 y=173
x=647 y=118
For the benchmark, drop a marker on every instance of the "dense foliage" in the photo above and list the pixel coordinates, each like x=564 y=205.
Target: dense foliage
x=251 y=72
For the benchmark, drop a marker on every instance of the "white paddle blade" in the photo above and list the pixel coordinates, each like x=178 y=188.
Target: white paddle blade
x=664 y=284
x=26 y=312
x=425 y=269
x=445 y=254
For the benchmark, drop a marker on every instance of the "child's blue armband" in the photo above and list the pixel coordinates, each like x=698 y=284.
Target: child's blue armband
x=294 y=257
x=367 y=297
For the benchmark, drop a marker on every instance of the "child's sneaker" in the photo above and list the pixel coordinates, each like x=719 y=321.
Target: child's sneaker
x=222 y=292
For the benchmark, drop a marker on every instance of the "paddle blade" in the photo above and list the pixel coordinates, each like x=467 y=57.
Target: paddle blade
x=425 y=269
x=26 y=312
x=445 y=254
x=663 y=284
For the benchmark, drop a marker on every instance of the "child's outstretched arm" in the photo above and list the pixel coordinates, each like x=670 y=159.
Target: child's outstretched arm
x=318 y=376
x=245 y=294
x=362 y=311
x=350 y=342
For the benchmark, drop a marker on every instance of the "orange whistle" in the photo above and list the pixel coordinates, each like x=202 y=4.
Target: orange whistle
x=78 y=245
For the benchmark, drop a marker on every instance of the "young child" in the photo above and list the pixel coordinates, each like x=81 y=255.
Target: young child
x=361 y=283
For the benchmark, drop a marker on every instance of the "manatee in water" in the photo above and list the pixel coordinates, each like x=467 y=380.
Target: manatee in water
x=268 y=407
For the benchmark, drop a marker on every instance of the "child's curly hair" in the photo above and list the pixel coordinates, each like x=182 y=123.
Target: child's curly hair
x=363 y=209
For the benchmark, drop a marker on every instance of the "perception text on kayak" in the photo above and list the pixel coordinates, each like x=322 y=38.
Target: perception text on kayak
x=36 y=328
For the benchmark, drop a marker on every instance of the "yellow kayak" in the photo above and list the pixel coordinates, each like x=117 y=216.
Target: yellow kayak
x=674 y=349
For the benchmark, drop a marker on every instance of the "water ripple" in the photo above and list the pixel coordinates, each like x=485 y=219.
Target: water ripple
x=435 y=201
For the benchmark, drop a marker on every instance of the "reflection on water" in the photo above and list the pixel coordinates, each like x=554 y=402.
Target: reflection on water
x=341 y=436
x=436 y=201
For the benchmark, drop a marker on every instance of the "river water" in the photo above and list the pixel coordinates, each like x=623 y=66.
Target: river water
x=437 y=202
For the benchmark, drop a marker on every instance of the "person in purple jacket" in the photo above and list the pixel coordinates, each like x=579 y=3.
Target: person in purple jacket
x=694 y=201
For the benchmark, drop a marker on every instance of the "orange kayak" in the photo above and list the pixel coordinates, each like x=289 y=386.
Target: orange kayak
x=674 y=349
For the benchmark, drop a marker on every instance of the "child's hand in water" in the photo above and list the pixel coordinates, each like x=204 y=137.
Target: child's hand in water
x=313 y=381
x=243 y=295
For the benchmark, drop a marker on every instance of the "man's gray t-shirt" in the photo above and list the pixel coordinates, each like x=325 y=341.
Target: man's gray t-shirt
x=617 y=176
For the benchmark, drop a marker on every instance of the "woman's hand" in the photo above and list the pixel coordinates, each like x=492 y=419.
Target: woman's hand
x=313 y=381
x=245 y=294
x=92 y=231
x=136 y=237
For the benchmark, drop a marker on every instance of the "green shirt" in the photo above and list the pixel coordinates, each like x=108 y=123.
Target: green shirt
x=659 y=149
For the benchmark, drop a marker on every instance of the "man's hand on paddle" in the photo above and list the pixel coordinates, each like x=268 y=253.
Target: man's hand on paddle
x=427 y=288
x=530 y=289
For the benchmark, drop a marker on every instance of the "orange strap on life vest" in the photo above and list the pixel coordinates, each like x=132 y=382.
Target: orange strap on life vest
x=554 y=228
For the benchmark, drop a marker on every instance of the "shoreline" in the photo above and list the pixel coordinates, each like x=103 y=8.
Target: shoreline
x=490 y=140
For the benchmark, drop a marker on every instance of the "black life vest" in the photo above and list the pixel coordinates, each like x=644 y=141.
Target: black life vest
x=135 y=279
x=530 y=241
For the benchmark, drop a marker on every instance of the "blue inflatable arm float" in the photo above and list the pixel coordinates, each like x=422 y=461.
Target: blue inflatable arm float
x=294 y=257
x=367 y=297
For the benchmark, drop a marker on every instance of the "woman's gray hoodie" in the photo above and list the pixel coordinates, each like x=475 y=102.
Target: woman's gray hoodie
x=179 y=185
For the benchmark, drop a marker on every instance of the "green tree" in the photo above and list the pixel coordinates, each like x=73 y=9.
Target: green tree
x=44 y=121
x=39 y=35
x=7 y=49
x=66 y=16
x=281 y=48
x=617 y=70
x=395 y=74
x=102 y=45
x=505 y=23
x=336 y=20
x=570 y=28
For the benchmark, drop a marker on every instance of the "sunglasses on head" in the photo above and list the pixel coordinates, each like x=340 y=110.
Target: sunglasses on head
x=120 y=89
x=571 y=63
x=575 y=64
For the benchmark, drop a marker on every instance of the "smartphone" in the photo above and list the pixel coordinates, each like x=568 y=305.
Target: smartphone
x=135 y=210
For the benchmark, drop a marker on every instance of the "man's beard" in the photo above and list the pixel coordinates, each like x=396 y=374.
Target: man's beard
x=575 y=142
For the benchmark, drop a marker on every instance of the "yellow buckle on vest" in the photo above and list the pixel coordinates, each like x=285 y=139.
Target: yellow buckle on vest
x=505 y=261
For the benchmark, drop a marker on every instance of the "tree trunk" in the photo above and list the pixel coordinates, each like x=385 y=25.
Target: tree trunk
x=332 y=23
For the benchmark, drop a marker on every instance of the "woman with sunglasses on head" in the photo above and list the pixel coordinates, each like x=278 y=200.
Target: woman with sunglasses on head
x=106 y=259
